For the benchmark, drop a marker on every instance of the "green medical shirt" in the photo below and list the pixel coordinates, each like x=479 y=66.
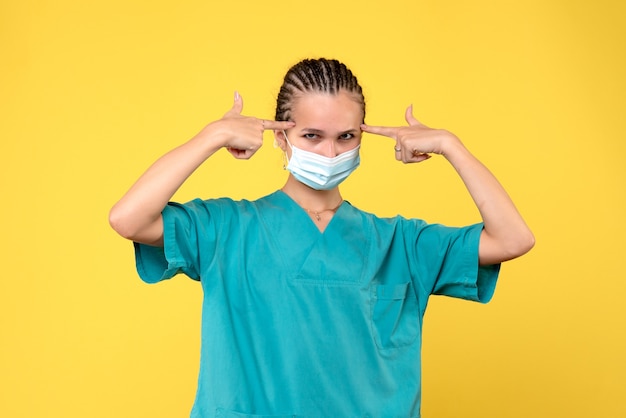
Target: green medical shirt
x=300 y=323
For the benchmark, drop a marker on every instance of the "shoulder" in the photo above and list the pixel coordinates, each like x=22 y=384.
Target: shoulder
x=397 y=221
x=413 y=229
x=220 y=208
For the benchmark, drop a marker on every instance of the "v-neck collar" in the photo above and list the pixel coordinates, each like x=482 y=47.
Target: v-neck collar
x=304 y=216
x=338 y=256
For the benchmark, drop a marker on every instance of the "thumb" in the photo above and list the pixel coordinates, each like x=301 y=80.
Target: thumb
x=237 y=104
x=408 y=115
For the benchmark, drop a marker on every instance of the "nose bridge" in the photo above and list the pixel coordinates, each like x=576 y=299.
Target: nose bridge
x=331 y=148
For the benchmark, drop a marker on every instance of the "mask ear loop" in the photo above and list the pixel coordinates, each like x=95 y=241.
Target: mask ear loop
x=285 y=160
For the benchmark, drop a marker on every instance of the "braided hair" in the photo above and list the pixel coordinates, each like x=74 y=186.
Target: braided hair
x=316 y=75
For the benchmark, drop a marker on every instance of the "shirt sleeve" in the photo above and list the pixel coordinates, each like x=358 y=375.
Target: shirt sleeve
x=448 y=263
x=182 y=227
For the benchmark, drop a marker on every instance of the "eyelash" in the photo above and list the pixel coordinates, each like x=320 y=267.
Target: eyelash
x=344 y=137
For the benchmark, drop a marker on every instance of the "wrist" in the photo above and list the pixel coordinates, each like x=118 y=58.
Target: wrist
x=451 y=145
x=211 y=138
x=456 y=153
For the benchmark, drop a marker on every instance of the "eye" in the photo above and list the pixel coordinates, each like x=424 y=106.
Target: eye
x=310 y=136
x=346 y=136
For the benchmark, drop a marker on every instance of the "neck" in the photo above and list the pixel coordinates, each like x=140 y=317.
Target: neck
x=311 y=199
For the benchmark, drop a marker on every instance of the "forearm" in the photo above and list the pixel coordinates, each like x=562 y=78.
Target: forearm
x=137 y=215
x=505 y=234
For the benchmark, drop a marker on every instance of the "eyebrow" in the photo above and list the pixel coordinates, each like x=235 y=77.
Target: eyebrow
x=321 y=132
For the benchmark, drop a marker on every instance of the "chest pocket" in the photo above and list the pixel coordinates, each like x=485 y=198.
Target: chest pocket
x=394 y=315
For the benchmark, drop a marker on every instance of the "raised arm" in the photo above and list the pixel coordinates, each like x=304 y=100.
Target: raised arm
x=137 y=215
x=505 y=235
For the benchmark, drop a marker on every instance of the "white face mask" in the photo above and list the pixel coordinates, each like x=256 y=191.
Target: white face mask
x=320 y=172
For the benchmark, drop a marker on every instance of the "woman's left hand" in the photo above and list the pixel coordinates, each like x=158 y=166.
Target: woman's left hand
x=416 y=142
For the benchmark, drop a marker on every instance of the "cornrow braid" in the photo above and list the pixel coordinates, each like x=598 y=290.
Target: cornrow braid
x=316 y=75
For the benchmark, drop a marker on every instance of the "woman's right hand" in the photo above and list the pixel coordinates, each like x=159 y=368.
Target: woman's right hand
x=242 y=135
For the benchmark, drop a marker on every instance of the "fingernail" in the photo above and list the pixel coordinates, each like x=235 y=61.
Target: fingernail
x=236 y=95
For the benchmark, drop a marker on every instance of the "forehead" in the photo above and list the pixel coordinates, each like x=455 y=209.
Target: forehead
x=325 y=108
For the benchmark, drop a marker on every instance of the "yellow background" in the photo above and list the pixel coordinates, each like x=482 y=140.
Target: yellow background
x=93 y=91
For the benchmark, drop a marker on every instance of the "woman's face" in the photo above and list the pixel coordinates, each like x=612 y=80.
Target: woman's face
x=326 y=124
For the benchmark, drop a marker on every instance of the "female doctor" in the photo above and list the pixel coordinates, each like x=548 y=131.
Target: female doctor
x=312 y=307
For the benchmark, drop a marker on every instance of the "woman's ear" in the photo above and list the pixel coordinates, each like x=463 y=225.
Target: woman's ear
x=279 y=140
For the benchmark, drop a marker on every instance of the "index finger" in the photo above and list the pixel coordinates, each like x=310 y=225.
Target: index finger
x=387 y=131
x=277 y=125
